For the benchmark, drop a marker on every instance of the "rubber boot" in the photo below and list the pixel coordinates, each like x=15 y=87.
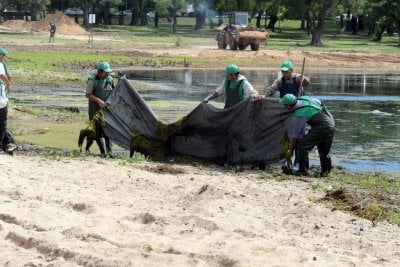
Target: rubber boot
x=326 y=166
x=109 y=147
x=100 y=143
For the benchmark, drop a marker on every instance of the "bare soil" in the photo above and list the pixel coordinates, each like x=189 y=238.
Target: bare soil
x=316 y=61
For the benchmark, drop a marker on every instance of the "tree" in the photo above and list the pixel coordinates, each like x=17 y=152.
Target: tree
x=85 y=5
x=103 y=10
x=139 y=10
x=200 y=12
x=234 y=5
x=170 y=8
x=317 y=10
x=260 y=7
x=34 y=6
x=384 y=14
x=297 y=10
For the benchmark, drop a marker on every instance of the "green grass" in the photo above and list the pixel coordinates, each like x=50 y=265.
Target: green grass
x=395 y=217
x=371 y=181
x=71 y=67
x=287 y=36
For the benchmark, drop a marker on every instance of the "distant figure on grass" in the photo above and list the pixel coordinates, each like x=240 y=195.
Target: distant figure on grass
x=53 y=29
x=234 y=87
x=7 y=142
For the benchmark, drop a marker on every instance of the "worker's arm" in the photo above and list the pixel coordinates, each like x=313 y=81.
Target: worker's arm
x=269 y=91
x=97 y=100
x=209 y=97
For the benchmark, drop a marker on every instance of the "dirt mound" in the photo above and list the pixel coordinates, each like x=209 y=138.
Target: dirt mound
x=65 y=24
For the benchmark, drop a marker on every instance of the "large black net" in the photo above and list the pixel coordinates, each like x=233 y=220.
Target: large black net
x=250 y=132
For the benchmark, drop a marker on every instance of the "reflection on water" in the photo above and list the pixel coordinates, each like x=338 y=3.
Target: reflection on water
x=366 y=107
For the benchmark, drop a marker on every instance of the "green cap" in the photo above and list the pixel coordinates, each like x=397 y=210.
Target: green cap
x=104 y=66
x=230 y=69
x=3 y=51
x=288 y=99
x=286 y=65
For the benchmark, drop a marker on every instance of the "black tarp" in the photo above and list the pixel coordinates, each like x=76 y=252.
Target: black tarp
x=249 y=132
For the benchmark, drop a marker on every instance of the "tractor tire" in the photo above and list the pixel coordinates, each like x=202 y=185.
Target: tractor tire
x=254 y=47
x=221 y=41
x=242 y=47
x=233 y=45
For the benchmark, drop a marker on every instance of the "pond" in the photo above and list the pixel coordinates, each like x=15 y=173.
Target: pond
x=366 y=107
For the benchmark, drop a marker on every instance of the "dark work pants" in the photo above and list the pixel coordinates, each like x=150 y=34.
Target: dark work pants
x=3 y=123
x=100 y=134
x=320 y=135
x=6 y=136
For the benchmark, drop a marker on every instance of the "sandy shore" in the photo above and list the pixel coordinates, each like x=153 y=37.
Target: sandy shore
x=95 y=212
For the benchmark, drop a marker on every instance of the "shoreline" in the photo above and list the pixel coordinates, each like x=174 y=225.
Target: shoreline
x=67 y=211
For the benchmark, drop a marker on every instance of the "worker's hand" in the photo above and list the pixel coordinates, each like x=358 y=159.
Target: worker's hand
x=8 y=88
x=257 y=97
x=102 y=104
x=205 y=101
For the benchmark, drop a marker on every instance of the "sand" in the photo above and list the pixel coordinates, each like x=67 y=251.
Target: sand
x=65 y=25
x=95 y=212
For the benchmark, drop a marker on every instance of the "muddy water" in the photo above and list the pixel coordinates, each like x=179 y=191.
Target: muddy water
x=366 y=107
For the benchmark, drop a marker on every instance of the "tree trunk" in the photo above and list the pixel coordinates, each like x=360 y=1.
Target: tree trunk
x=200 y=15
x=85 y=9
x=197 y=24
x=133 y=20
x=156 y=20
x=34 y=12
x=220 y=20
x=258 y=21
x=272 y=20
x=303 y=24
x=361 y=22
x=316 y=31
x=398 y=28
x=121 y=18
x=135 y=17
x=316 y=36
x=174 y=24
x=107 y=14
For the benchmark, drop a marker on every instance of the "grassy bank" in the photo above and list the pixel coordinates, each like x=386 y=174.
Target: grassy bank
x=66 y=62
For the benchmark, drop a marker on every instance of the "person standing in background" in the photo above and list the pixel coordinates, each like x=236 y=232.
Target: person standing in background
x=53 y=29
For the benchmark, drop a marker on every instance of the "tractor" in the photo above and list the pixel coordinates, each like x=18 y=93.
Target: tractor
x=238 y=34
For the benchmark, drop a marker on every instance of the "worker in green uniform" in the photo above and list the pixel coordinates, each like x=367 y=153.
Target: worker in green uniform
x=234 y=87
x=98 y=89
x=311 y=111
